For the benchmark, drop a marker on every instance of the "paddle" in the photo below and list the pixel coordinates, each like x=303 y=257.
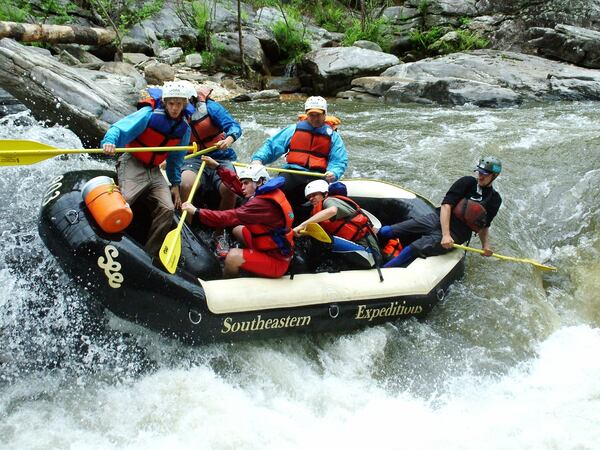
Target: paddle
x=201 y=152
x=170 y=251
x=507 y=258
x=278 y=169
x=24 y=152
x=317 y=232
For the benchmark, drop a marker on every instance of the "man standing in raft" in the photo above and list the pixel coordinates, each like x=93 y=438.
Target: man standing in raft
x=470 y=205
x=312 y=145
x=263 y=225
x=211 y=125
x=163 y=125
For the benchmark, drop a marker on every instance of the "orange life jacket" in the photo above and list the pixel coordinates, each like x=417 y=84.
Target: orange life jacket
x=310 y=147
x=265 y=237
x=392 y=248
x=332 y=121
x=352 y=228
x=160 y=132
x=204 y=131
x=471 y=213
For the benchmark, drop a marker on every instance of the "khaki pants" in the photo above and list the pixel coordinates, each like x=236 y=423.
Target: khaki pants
x=136 y=180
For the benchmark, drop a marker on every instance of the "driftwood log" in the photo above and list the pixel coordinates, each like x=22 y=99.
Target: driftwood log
x=57 y=34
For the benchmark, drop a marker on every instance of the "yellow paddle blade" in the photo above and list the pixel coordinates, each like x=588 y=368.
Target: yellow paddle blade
x=24 y=152
x=170 y=251
x=316 y=231
x=507 y=258
x=279 y=169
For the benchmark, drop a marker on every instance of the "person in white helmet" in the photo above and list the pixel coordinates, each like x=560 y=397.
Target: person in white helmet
x=342 y=218
x=309 y=145
x=262 y=225
x=158 y=122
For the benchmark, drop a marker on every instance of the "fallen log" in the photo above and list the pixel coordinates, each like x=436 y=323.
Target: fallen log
x=57 y=34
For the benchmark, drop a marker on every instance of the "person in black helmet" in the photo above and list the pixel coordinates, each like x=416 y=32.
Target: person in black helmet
x=469 y=206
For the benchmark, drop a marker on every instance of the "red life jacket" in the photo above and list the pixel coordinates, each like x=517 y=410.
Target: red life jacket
x=471 y=213
x=310 y=147
x=352 y=228
x=204 y=131
x=392 y=248
x=266 y=238
x=160 y=132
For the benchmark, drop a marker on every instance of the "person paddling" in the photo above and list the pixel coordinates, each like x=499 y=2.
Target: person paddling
x=342 y=218
x=312 y=144
x=469 y=206
x=262 y=225
x=211 y=124
x=139 y=176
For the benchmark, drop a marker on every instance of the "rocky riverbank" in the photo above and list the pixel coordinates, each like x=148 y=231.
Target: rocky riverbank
x=538 y=51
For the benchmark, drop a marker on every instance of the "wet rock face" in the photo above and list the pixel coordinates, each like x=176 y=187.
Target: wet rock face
x=486 y=78
x=576 y=45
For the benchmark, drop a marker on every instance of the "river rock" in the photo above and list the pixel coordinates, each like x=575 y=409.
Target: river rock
x=484 y=78
x=283 y=84
x=260 y=95
x=330 y=70
x=85 y=101
x=572 y=44
x=158 y=73
x=368 y=45
x=254 y=56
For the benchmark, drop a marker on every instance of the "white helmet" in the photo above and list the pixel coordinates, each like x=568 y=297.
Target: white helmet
x=315 y=103
x=175 y=89
x=254 y=172
x=190 y=88
x=316 y=186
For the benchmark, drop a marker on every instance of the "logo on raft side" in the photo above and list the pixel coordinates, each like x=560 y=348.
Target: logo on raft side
x=260 y=324
x=395 y=309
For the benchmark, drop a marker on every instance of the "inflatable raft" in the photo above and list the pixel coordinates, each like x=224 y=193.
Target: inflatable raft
x=195 y=304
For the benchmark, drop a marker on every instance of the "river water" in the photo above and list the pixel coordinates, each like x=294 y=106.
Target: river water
x=510 y=359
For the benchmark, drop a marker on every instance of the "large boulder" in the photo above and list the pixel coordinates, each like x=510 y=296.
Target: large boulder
x=85 y=101
x=483 y=78
x=329 y=70
x=572 y=44
x=229 y=54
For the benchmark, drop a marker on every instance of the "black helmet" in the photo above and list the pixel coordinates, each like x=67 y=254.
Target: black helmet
x=489 y=164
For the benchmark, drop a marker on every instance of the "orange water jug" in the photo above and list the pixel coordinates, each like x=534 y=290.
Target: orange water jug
x=107 y=205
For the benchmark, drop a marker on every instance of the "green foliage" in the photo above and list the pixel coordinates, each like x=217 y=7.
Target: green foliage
x=291 y=40
x=124 y=14
x=423 y=39
x=201 y=18
x=59 y=11
x=331 y=17
x=14 y=11
x=430 y=43
x=374 y=31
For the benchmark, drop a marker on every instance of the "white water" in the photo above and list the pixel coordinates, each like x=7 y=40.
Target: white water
x=511 y=359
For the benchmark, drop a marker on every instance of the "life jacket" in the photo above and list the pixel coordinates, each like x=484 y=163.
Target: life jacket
x=160 y=132
x=392 y=248
x=332 y=121
x=266 y=238
x=352 y=228
x=471 y=213
x=204 y=131
x=310 y=147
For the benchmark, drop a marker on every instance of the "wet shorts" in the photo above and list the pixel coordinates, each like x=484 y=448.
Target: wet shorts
x=264 y=264
x=211 y=181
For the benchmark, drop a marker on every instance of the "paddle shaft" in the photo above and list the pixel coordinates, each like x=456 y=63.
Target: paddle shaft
x=505 y=258
x=67 y=151
x=191 y=195
x=278 y=169
x=201 y=152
